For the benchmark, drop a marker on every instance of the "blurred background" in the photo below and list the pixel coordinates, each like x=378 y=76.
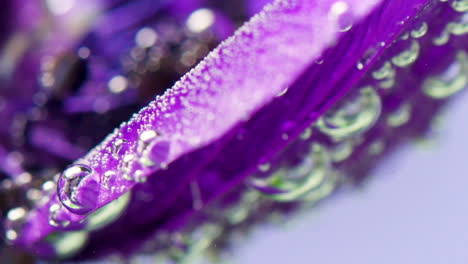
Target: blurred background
x=412 y=209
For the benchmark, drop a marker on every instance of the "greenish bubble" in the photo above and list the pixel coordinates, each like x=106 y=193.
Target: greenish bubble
x=199 y=242
x=306 y=134
x=264 y=167
x=108 y=213
x=376 y=147
x=342 y=151
x=353 y=117
x=325 y=189
x=240 y=211
x=453 y=28
x=386 y=71
x=420 y=31
x=458 y=29
x=400 y=116
x=452 y=81
x=67 y=244
x=291 y=184
x=408 y=56
x=460 y=5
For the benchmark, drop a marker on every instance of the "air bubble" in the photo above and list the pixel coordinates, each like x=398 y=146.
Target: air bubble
x=306 y=134
x=460 y=5
x=342 y=151
x=360 y=66
x=354 y=116
x=386 y=71
x=117 y=146
x=145 y=138
x=421 y=31
x=292 y=184
x=76 y=190
x=400 y=117
x=108 y=213
x=240 y=210
x=452 y=81
x=54 y=218
x=155 y=154
x=264 y=167
x=127 y=163
x=107 y=177
x=408 y=56
x=67 y=244
x=376 y=147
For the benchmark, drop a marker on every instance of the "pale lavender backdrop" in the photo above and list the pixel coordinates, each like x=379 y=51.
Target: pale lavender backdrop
x=414 y=210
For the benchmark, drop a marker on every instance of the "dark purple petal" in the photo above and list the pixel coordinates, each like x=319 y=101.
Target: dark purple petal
x=244 y=115
x=218 y=95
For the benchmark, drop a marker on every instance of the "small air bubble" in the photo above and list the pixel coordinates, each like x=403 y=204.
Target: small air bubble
x=264 y=167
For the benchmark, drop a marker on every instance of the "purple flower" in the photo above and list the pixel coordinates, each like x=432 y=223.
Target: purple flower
x=303 y=98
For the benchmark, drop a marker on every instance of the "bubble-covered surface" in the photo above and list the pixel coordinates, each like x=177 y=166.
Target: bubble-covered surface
x=179 y=144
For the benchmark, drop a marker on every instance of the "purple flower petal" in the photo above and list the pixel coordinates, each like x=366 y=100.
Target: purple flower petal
x=241 y=107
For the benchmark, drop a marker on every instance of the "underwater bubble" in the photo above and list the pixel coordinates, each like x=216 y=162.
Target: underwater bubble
x=140 y=176
x=360 y=66
x=53 y=216
x=117 y=145
x=342 y=151
x=108 y=213
x=67 y=244
x=291 y=184
x=155 y=154
x=453 y=80
x=145 y=138
x=240 y=210
x=107 y=177
x=325 y=189
x=405 y=36
x=455 y=28
x=76 y=191
x=264 y=167
x=460 y=5
x=127 y=163
x=421 y=31
x=199 y=242
x=354 y=116
x=386 y=74
x=376 y=148
x=283 y=92
x=458 y=29
x=386 y=71
x=306 y=134
x=400 y=116
x=442 y=39
x=408 y=56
